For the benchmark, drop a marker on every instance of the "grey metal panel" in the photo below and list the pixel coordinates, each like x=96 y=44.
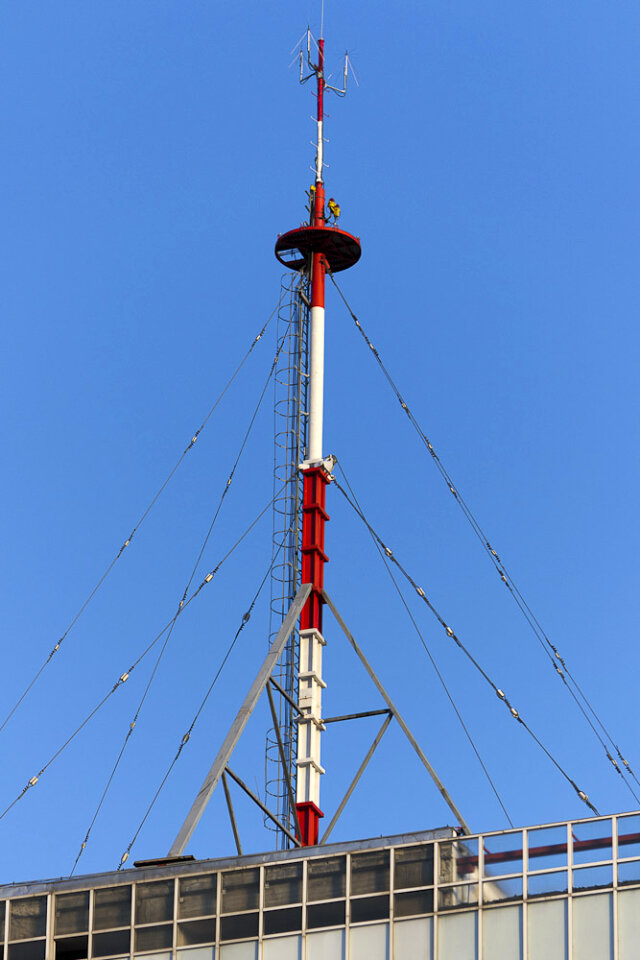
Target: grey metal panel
x=502 y=933
x=195 y=953
x=413 y=939
x=457 y=936
x=282 y=948
x=593 y=927
x=239 y=951
x=240 y=722
x=547 y=930
x=389 y=702
x=370 y=942
x=628 y=924
x=325 y=945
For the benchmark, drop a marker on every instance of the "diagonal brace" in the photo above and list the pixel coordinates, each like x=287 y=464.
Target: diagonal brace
x=259 y=803
x=283 y=761
x=389 y=702
x=240 y=722
x=283 y=693
x=355 y=716
x=232 y=816
x=361 y=769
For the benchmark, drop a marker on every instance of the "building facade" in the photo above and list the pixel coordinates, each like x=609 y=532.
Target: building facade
x=564 y=891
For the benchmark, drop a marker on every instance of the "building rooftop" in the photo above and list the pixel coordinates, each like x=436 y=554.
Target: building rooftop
x=569 y=889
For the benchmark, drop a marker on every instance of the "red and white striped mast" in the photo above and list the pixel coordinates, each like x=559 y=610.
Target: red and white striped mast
x=317 y=248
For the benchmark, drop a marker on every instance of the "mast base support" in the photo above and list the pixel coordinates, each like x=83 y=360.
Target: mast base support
x=309 y=815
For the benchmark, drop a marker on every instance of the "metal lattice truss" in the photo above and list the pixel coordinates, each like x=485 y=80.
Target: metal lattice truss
x=220 y=769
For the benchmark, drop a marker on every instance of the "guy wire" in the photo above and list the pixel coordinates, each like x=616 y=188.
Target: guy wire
x=551 y=651
x=145 y=693
x=140 y=521
x=187 y=736
x=429 y=654
x=453 y=636
x=125 y=676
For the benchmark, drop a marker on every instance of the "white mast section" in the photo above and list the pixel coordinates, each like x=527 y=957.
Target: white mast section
x=310 y=726
x=316 y=338
x=316 y=384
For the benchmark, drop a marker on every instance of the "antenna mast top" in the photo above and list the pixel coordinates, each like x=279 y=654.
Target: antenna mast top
x=313 y=249
x=340 y=250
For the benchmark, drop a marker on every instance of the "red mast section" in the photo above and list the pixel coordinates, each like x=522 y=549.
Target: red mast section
x=316 y=248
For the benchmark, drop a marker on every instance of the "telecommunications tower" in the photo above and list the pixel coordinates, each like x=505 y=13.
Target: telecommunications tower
x=310 y=251
x=567 y=890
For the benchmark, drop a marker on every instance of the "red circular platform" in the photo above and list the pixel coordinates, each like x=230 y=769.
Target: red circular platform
x=341 y=249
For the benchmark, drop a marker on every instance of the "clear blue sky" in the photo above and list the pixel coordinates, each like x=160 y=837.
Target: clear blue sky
x=152 y=151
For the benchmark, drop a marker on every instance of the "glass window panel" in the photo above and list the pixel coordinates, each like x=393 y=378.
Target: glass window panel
x=414 y=867
x=111 y=908
x=370 y=872
x=629 y=872
x=282 y=884
x=110 y=944
x=239 y=928
x=198 y=931
x=629 y=836
x=27 y=951
x=369 y=908
x=154 y=902
x=547 y=848
x=462 y=895
x=154 y=938
x=72 y=948
x=589 y=878
x=240 y=890
x=458 y=859
x=282 y=921
x=326 y=878
x=197 y=896
x=503 y=854
x=72 y=912
x=447 y=857
x=326 y=914
x=494 y=890
x=412 y=904
x=466 y=858
x=28 y=918
x=542 y=883
x=591 y=841
x=3 y=907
